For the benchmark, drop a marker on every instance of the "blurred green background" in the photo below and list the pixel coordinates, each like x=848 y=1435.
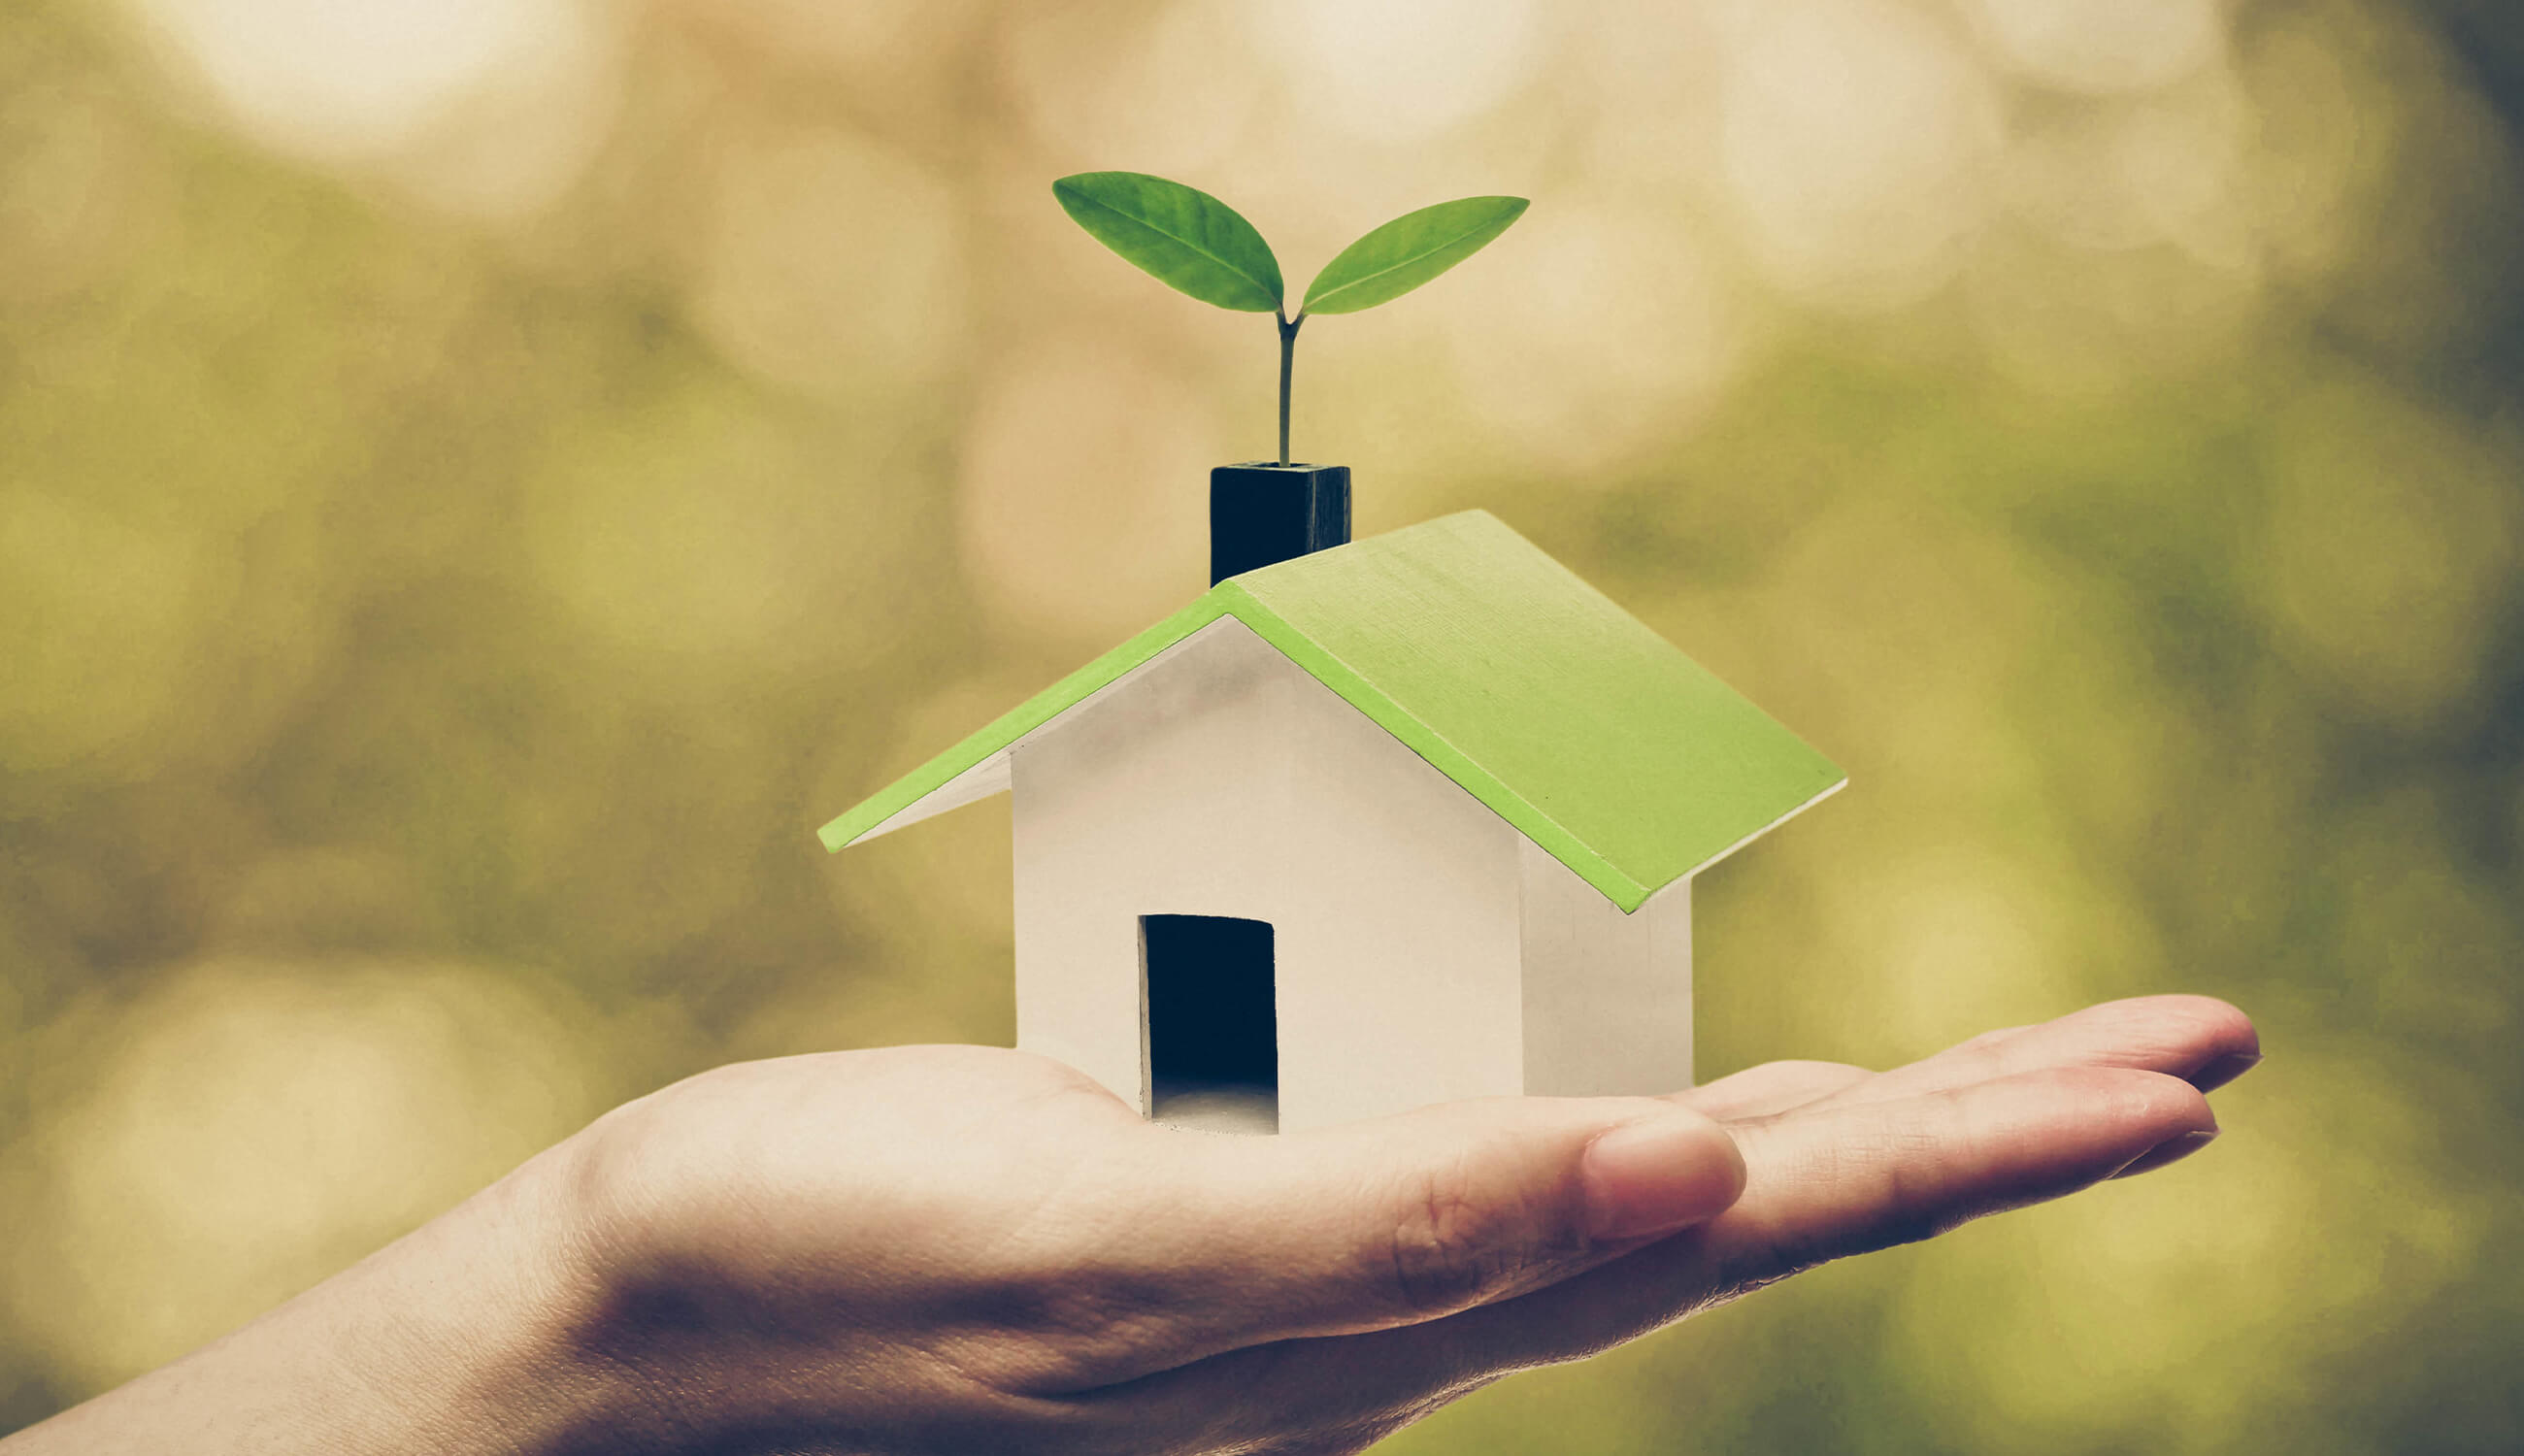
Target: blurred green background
x=480 y=479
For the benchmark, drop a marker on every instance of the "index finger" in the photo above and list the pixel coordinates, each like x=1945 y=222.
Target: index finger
x=2201 y=1040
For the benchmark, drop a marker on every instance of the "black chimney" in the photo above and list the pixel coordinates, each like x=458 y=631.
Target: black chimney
x=1261 y=513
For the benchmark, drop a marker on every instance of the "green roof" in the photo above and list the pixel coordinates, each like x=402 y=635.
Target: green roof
x=1597 y=739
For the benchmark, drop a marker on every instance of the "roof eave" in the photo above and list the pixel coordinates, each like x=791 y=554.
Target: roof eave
x=928 y=789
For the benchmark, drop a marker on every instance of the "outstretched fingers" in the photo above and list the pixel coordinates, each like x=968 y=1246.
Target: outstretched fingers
x=2200 y=1039
x=1834 y=1180
x=1845 y=1178
x=1770 y=1089
x=1823 y=1183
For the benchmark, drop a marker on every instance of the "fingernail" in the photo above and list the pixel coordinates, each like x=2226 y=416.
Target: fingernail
x=1658 y=1175
x=2225 y=1069
x=2170 y=1150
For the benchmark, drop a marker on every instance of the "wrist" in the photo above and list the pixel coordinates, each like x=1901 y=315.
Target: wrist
x=462 y=1337
x=491 y=1309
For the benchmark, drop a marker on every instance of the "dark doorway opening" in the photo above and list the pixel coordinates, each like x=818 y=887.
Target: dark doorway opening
x=1213 y=1022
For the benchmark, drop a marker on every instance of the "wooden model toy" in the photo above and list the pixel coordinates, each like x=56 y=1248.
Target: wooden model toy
x=1367 y=826
x=1392 y=823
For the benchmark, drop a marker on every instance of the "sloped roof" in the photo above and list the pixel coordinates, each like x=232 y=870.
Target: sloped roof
x=1594 y=737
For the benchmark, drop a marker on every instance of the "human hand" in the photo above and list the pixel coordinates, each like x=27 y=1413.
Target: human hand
x=959 y=1249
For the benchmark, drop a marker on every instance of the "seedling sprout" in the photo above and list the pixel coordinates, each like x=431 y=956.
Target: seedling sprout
x=1195 y=243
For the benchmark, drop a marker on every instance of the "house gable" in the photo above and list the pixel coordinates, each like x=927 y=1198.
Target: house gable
x=1232 y=783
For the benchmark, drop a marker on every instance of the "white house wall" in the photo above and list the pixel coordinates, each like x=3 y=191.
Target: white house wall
x=1607 y=996
x=1228 y=782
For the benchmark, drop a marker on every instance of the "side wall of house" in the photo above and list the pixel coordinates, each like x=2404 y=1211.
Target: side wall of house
x=1607 y=996
x=1220 y=779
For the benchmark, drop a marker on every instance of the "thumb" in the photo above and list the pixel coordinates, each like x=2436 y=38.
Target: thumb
x=1413 y=1217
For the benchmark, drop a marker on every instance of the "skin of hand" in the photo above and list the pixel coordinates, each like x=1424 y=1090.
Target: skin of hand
x=960 y=1250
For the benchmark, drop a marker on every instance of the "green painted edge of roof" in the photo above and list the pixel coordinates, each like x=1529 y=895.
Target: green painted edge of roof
x=1816 y=777
x=1019 y=721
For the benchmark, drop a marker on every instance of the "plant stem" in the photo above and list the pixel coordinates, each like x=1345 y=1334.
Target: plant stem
x=1287 y=362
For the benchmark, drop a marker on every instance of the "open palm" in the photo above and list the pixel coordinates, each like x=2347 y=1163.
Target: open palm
x=955 y=1248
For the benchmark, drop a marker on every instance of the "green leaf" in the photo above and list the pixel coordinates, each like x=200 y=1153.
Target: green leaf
x=1182 y=236
x=1408 y=252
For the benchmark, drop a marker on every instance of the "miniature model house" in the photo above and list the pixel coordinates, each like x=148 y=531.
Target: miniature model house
x=1409 y=819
